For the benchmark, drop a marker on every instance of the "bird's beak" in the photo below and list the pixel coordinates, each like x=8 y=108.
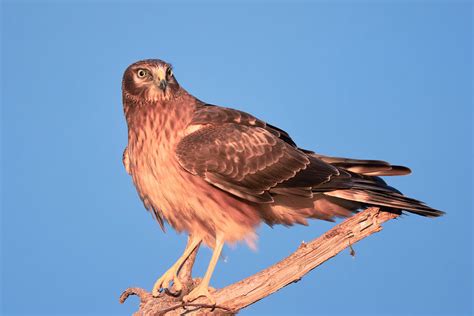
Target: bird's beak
x=162 y=85
x=160 y=78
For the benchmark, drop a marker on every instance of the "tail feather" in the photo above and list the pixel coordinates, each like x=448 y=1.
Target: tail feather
x=387 y=199
x=393 y=171
x=358 y=185
x=365 y=166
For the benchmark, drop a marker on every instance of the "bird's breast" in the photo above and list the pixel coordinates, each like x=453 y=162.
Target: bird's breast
x=186 y=201
x=152 y=145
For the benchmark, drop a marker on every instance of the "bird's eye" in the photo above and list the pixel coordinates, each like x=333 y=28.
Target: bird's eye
x=142 y=73
x=169 y=72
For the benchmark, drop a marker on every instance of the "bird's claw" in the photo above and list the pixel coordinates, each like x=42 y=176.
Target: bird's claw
x=198 y=292
x=164 y=282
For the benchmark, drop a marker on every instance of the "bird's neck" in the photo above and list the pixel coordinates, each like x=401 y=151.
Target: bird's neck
x=159 y=122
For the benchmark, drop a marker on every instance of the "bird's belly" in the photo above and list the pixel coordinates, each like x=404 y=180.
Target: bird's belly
x=188 y=203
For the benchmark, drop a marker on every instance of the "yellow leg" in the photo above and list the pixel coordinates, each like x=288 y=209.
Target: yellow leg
x=172 y=273
x=203 y=288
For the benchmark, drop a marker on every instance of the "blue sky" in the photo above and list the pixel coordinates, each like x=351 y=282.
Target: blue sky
x=381 y=80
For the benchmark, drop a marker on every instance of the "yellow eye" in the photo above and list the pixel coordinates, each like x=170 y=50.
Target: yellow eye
x=142 y=73
x=169 y=73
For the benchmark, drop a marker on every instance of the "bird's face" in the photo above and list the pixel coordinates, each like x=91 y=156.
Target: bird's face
x=151 y=80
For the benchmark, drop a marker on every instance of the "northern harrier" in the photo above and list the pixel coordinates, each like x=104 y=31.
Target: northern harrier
x=216 y=173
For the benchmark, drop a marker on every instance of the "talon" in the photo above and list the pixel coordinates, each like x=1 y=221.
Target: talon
x=198 y=292
x=156 y=291
x=178 y=286
x=171 y=275
x=164 y=281
x=159 y=284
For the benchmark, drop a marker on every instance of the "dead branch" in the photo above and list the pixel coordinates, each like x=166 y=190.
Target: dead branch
x=234 y=297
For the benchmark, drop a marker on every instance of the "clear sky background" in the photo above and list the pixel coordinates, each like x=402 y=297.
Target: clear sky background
x=381 y=80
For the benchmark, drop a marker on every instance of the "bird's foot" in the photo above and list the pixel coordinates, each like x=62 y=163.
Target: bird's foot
x=200 y=290
x=164 y=282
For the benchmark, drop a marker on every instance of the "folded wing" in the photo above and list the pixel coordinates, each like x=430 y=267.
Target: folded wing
x=258 y=162
x=246 y=161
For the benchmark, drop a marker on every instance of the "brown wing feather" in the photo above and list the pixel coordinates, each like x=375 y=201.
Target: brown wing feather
x=246 y=161
x=213 y=114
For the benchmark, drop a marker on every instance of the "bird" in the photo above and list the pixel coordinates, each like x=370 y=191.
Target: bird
x=217 y=173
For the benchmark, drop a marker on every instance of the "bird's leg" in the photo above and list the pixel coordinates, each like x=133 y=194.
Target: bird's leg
x=203 y=288
x=172 y=273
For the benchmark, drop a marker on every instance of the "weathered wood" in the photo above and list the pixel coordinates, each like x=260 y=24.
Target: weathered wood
x=234 y=297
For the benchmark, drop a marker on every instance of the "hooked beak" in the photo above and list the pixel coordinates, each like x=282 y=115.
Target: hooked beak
x=163 y=84
x=160 y=78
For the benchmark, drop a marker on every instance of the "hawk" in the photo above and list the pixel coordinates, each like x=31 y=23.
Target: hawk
x=217 y=173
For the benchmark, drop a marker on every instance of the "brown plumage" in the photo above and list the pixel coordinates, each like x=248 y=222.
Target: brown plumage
x=217 y=173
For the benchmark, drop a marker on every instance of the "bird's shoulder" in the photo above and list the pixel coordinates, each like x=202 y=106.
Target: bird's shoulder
x=209 y=114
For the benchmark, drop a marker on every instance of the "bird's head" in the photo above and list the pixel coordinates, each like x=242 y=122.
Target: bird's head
x=151 y=79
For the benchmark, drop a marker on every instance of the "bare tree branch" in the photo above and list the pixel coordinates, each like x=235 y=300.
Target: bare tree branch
x=234 y=297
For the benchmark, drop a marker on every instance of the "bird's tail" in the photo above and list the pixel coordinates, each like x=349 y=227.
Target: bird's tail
x=357 y=186
x=390 y=199
x=366 y=188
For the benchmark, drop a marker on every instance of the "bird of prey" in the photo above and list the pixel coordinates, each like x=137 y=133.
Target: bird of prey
x=216 y=173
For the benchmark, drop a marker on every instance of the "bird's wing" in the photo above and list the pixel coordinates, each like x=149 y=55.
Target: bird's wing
x=213 y=114
x=251 y=159
x=246 y=160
